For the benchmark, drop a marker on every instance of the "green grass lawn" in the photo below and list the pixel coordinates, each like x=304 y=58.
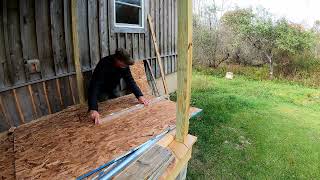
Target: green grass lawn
x=254 y=130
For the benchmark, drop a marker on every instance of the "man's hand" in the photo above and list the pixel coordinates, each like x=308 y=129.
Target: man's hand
x=95 y=116
x=143 y=100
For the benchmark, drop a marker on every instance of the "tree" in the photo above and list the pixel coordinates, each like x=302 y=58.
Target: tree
x=268 y=37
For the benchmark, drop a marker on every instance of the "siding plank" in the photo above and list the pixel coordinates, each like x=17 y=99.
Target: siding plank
x=10 y=108
x=3 y=61
x=157 y=29
x=66 y=92
x=68 y=34
x=58 y=40
x=4 y=35
x=141 y=46
x=83 y=31
x=40 y=99
x=25 y=103
x=14 y=41
x=52 y=92
x=169 y=31
x=4 y=120
x=28 y=34
x=175 y=31
x=42 y=14
x=103 y=23
x=128 y=40
x=135 y=46
x=93 y=32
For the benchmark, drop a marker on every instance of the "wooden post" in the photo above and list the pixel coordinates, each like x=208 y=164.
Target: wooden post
x=76 y=58
x=184 y=67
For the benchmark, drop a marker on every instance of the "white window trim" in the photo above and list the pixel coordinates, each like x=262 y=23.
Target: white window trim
x=130 y=28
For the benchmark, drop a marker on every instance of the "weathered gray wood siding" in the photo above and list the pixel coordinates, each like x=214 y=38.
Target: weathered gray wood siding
x=41 y=29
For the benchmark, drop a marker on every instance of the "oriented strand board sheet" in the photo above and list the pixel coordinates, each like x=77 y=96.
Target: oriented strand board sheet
x=139 y=75
x=66 y=145
x=6 y=157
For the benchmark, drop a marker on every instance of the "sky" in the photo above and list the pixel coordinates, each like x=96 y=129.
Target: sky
x=304 y=12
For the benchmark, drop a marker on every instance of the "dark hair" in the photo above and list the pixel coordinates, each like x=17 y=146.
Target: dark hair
x=122 y=55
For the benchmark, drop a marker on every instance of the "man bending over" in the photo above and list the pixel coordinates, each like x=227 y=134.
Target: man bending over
x=105 y=79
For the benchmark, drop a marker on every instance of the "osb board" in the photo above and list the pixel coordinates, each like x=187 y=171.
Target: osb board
x=139 y=75
x=6 y=157
x=67 y=145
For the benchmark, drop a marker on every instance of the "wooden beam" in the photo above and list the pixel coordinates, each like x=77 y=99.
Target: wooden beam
x=184 y=67
x=76 y=58
x=156 y=47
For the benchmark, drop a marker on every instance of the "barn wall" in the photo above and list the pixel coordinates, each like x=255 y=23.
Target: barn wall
x=41 y=29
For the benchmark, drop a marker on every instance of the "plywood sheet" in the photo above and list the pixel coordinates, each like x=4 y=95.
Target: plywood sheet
x=139 y=75
x=6 y=157
x=66 y=145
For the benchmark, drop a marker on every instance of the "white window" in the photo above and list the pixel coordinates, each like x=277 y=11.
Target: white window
x=128 y=15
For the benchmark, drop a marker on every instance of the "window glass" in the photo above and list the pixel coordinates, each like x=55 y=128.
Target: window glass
x=127 y=14
x=136 y=2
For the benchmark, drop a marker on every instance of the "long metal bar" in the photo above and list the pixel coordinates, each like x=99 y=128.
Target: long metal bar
x=123 y=158
x=116 y=170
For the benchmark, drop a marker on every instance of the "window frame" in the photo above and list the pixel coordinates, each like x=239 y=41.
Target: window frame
x=128 y=28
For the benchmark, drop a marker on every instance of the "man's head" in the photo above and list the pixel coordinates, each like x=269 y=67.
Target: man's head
x=122 y=58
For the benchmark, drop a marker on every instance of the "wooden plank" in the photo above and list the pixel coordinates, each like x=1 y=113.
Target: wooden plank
x=40 y=99
x=32 y=101
x=5 y=122
x=65 y=88
x=58 y=40
x=46 y=97
x=83 y=33
x=43 y=32
x=156 y=31
x=165 y=34
x=59 y=91
x=161 y=34
x=141 y=46
x=129 y=43
x=25 y=103
x=71 y=90
x=4 y=81
x=135 y=46
x=93 y=32
x=76 y=57
x=52 y=97
x=122 y=40
x=184 y=68
x=17 y=101
x=68 y=34
x=10 y=108
x=152 y=14
x=158 y=55
x=169 y=33
x=175 y=36
x=28 y=34
x=73 y=84
x=148 y=165
x=112 y=35
x=153 y=78
x=103 y=30
x=14 y=43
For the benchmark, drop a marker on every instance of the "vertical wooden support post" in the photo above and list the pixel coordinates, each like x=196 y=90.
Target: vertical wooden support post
x=76 y=58
x=184 y=67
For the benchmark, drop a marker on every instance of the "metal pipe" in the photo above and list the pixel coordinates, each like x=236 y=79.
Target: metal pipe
x=134 y=155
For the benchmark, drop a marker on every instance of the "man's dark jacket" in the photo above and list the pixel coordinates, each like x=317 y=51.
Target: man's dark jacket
x=105 y=79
